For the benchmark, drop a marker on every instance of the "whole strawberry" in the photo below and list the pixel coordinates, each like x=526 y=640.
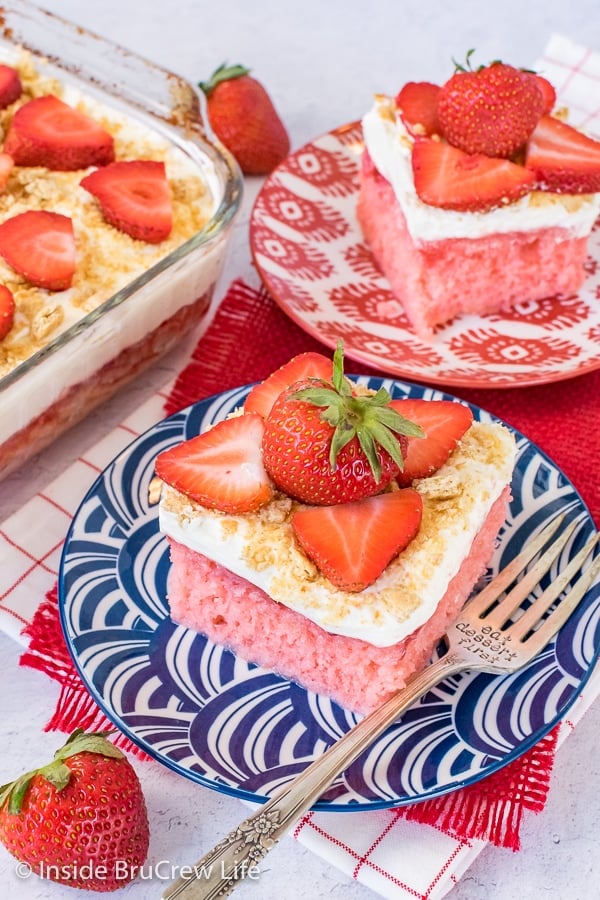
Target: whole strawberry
x=244 y=118
x=324 y=444
x=80 y=820
x=491 y=110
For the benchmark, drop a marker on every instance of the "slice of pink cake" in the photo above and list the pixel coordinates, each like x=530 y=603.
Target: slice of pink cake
x=244 y=582
x=458 y=233
x=437 y=280
x=232 y=612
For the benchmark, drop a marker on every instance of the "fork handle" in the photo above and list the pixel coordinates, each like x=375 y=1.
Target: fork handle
x=237 y=856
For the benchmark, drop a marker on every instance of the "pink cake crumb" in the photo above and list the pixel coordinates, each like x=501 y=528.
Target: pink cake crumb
x=232 y=612
x=438 y=280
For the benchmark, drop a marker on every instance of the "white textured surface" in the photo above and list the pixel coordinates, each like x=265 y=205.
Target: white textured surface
x=322 y=62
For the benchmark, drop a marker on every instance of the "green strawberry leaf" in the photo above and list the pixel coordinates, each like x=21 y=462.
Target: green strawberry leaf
x=224 y=72
x=369 y=418
x=57 y=772
x=94 y=742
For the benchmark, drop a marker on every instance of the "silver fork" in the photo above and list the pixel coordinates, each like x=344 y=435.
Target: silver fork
x=492 y=634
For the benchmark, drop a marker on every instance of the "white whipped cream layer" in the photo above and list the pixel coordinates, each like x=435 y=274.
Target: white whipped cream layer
x=261 y=548
x=389 y=145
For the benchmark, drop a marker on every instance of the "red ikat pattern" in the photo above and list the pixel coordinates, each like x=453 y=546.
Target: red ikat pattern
x=318 y=220
x=304 y=260
x=412 y=355
x=298 y=300
x=552 y=312
x=497 y=348
x=332 y=173
x=310 y=252
x=360 y=259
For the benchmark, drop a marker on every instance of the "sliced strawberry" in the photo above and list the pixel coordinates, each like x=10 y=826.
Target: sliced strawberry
x=40 y=246
x=48 y=132
x=548 y=93
x=7 y=311
x=562 y=158
x=417 y=105
x=353 y=543
x=10 y=86
x=221 y=468
x=306 y=365
x=449 y=178
x=7 y=164
x=444 y=424
x=135 y=197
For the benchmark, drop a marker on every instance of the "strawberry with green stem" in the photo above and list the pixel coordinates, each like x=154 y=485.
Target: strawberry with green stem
x=244 y=118
x=324 y=443
x=491 y=110
x=80 y=820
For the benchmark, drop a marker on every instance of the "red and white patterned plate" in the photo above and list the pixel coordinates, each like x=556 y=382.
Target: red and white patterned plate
x=310 y=253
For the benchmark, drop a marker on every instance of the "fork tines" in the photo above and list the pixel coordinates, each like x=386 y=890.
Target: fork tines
x=496 y=609
x=525 y=628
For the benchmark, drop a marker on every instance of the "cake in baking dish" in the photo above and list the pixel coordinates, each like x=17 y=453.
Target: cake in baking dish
x=476 y=196
x=345 y=594
x=58 y=176
x=115 y=213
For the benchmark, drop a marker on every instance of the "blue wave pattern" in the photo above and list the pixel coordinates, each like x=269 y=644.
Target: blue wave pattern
x=243 y=730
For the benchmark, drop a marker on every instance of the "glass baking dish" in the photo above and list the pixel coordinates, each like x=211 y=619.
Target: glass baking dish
x=94 y=357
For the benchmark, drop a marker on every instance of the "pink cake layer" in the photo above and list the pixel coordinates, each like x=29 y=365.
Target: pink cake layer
x=77 y=401
x=438 y=280
x=234 y=613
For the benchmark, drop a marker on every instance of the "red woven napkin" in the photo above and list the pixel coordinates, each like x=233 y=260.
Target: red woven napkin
x=249 y=337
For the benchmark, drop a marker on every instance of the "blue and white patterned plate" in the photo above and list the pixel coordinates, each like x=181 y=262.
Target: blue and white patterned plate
x=245 y=731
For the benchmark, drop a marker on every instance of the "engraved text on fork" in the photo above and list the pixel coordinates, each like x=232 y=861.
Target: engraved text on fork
x=486 y=643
